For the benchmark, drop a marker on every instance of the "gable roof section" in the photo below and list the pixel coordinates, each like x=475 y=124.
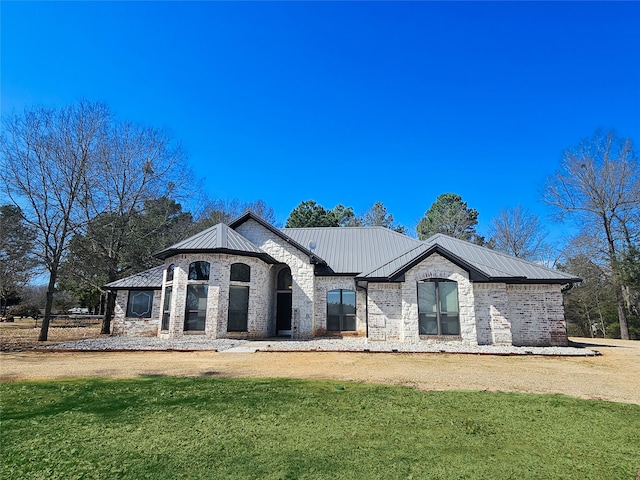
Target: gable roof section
x=151 y=279
x=217 y=239
x=313 y=257
x=353 y=250
x=483 y=264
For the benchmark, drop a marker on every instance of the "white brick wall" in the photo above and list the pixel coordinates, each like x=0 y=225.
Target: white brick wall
x=326 y=284
x=537 y=315
x=302 y=274
x=135 y=327
x=385 y=311
x=218 y=295
x=492 y=314
x=437 y=266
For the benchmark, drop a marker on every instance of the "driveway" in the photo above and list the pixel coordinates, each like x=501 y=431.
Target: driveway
x=613 y=375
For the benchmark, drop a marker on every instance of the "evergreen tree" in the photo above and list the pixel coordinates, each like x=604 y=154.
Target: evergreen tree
x=311 y=214
x=451 y=216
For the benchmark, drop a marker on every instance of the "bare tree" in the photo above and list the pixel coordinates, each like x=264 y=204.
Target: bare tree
x=518 y=232
x=224 y=211
x=46 y=159
x=598 y=186
x=138 y=164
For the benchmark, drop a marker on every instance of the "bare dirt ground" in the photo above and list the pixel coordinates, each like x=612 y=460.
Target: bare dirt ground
x=613 y=376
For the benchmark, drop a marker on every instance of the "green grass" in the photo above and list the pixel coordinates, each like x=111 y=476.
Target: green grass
x=237 y=428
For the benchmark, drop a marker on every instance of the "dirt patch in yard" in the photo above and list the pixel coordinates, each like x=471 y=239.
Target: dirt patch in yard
x=611 y=376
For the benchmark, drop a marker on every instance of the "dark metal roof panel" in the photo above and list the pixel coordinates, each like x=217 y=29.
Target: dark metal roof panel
x=218 y=237
x=396 y=264
x=497 y=264
x=151 y=278
x=488 y=262
x=352 y=249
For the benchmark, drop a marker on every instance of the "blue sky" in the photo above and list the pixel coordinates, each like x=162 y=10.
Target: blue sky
x=347 y=103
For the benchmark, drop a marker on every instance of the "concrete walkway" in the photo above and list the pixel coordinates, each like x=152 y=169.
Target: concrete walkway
x=252 y=346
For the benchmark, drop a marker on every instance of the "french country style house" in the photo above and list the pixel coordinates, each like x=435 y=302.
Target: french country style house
x=250 y=279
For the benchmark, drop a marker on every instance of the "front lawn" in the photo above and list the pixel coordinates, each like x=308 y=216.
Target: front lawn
x=237 y=428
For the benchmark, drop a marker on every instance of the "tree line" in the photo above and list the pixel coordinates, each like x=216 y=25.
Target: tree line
x=87 y=199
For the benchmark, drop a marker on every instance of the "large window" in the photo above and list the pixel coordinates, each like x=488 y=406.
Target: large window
x=438 y=311
x=196 y=309
x=238 y=308
x=199 y=270
x=341 y=310
x=240 y=272
x=140 y=303
x=166 y=309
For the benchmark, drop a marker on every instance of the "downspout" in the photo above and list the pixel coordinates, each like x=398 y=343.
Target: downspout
x=366 y=315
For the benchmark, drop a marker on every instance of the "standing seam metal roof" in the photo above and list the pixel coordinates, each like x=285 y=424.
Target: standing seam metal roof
x=151 y=278
x=218 y=237
x=491 y=263
x=353 y=249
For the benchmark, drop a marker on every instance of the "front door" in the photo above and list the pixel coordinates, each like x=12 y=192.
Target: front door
x=283 y=313
x=283 y=302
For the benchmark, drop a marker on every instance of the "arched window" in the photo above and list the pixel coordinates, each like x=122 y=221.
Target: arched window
x=341 y=310
x=438 y=311
x=199 y=270
x=240 y=272
x=170 y=270
x=284 y=279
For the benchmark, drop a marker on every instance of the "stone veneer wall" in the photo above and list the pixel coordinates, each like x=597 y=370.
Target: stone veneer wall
x=385 y=311
x=536 y=313
x=326 y=284
x=135 y=327
x=259 y=321
x=436 y=266
x=302 y=274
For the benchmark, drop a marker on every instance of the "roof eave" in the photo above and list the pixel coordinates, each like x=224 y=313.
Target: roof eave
x=475 y=275
x=116 y=288
x=532 y=281
x=243 y=253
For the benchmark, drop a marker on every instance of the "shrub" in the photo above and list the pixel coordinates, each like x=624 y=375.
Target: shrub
x=24 y=310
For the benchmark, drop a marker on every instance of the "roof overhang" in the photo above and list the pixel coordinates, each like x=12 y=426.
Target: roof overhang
x=475 y=275
x=163 y=255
